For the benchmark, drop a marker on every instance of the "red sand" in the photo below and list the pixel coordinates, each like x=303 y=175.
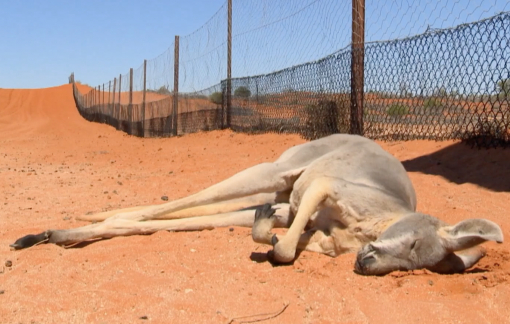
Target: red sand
x=55 y=166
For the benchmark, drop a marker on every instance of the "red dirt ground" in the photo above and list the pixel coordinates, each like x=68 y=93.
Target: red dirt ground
x=55 y=166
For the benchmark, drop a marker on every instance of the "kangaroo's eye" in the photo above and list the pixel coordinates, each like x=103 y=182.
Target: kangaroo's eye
x=414 y=244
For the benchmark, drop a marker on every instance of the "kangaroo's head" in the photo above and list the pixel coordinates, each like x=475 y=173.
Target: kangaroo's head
x=420 y=241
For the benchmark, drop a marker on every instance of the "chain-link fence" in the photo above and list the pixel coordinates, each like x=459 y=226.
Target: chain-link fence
x=449 y=83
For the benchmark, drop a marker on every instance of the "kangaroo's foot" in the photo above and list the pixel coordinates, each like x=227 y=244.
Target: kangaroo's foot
x=30 y=240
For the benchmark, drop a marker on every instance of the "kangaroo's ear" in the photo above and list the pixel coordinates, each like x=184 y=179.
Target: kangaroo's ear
x=469 y=233
x=459 y=261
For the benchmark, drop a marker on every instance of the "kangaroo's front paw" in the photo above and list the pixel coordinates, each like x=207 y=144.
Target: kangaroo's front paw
x=263 y=224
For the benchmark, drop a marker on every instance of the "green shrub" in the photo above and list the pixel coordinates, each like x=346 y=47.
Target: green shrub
x=163 y=90
x=194 y=96
x=242 y=92
x=432 y=103
x=216 y=97
x=504 y=89
x=398 y=109
x=344 y=115
x=321 y=119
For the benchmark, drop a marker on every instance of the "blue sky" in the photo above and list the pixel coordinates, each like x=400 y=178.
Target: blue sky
x=44 y=41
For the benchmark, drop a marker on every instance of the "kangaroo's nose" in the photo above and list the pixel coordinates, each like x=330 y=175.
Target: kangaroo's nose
x=363 y=262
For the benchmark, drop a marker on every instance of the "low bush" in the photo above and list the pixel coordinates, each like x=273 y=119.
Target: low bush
x=397 y=109
x=321 y=119
x=216 y=97
x=242 y=92
x=432 y=103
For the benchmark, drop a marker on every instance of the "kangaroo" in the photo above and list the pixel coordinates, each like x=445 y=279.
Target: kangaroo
x=338 y=194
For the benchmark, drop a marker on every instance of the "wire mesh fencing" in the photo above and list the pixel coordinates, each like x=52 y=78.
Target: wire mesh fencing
x=442 y=83
x=449 y=83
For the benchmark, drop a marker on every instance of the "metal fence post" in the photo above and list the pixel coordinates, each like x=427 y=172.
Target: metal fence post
x=229 y=65
x=130 y=87
x=357 y=66
x=176 y=86
x=120 y=88
x=144 y=92
x=113 y=97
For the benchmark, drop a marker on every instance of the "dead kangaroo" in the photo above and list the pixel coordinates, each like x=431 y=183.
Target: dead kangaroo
x=339 y=194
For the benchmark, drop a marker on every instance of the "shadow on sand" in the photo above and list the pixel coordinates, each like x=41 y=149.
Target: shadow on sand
x=459 y=163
